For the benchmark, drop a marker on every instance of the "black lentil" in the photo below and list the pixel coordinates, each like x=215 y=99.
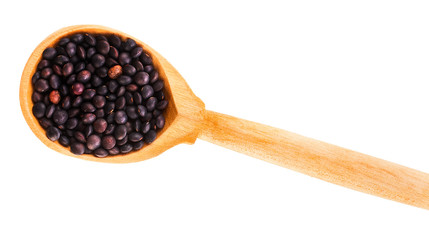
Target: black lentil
x=41 y=85
x=108 y=142
x=98 y=95
x=77 y=148
x=39 y=109
x=53 y=133
x=50 y=111
x=100 y=125
x=49 y=53
x=93 y=142
x=64 y=140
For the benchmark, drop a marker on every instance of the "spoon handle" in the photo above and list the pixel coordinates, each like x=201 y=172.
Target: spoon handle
x=318 y=159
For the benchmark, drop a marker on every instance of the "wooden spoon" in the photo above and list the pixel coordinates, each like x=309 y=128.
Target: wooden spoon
x=187 y=120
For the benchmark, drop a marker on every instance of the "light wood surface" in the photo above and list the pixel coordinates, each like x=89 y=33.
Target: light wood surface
x=318 y=159
x=187 y=120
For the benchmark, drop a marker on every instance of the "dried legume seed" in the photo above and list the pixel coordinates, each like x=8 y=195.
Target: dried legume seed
x=114 y=151
x=39 y=109
x=90 y=52
x=110 y=62
x=41 y=85
x=46 y=73
x=64 y=140
x=158 y=85
x=63 y=41
x=61 y=60
x=114 y=41
x=126 y=148
x=71 y=123
x=151 y=103
x=99 y=113
x=87 y=107
x=83 y=76
x=150 y=136
x=54 y=81
x=146 y=127
x=100 y=125
x=122 y=141
x=100 y=153
x=67 y=69
x=129 y=44
x=77 y=101
x=79 y=67
x=138 y=145
x=147 y=92
x=88 y=94
x=80 y=52
x=71 y=79
x=115 y=71
x=138 y=65
x=145 y=59
x=90 y=39
x=88 y=131
x=45 y=123
x=148 y=68
x=131 y=112
x=88 y=118
x=77 y=148
x=103 y=47
x=71 y=49
x=49 y=53
x=120 y=132
x=54 y=96
x=97 y=60
x=129 y=98
x=53 y=133
x=78 y=88
x=108 y=142
x=136 y=52
x=77 y=38
x=101 y=72
x=36 y=97
x=102 y=90
x=96 y=81
x=132 y=87
x=124 y=58
x=135 y=137
x=73 y=112
x=50 y=111
x=61 y=50
x=57 y=69
x=110 y=129
x=129 y=70
x=79 y=136
x=42 y=64
x=93 y=142
x=121 y=117
x=161 y=105
x=99 y=91
x=141 y=78
x=60 y=117
x=160 y=121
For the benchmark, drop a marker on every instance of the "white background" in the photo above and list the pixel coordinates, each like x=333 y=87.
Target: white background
x=352 y=73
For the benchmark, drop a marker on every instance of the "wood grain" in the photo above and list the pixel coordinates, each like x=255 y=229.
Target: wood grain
x=318 y=159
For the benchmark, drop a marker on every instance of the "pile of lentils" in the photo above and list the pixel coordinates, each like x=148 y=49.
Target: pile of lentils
x=98 y=95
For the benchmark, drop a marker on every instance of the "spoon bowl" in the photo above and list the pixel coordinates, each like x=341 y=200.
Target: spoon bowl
x=186 y=120
x=182 y=116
